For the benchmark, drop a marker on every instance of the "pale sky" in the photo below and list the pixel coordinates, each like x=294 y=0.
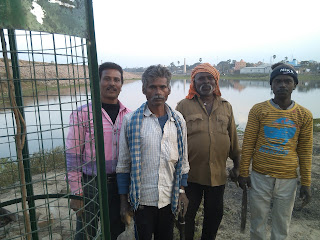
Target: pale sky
x=144 y=32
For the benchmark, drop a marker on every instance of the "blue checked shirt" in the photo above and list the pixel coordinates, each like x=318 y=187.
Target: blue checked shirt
x=159 y=157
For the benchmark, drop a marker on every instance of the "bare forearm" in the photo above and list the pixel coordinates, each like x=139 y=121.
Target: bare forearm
x=123 y=198
x=236 y=162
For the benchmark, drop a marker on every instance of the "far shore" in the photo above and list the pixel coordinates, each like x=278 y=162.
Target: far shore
x=252 y=77
x=249 y=77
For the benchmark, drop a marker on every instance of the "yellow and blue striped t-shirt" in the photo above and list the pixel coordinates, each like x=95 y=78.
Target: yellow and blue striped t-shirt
x=278 y=141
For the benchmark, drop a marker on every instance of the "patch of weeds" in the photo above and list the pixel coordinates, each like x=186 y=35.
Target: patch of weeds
x=239 y=129
x=40 y=162
x=316 y=125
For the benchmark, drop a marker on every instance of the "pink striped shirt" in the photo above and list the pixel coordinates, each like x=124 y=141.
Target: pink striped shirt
x=80 y=144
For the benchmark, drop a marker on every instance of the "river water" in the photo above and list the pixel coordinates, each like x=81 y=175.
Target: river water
x=47 y=123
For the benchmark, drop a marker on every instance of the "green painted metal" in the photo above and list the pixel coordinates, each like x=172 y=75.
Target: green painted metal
x=41 y=196
x=25 y=150
x=55 y=16
x=58 y=17
x=97 y=116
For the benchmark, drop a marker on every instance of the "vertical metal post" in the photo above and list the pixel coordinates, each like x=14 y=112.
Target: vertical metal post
x=98 y=127
x=25 y=150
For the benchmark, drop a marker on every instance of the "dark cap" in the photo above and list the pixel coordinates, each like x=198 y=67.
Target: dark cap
x=284 y=69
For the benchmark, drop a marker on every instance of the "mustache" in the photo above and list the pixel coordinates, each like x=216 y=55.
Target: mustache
x=111 y=88
x=282 y=90
x=205 y=86
x=156 y=97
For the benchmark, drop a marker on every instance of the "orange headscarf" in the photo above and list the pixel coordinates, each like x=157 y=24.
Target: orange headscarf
x=204 y=67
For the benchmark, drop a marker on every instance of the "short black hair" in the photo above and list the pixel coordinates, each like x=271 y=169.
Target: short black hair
x=110 y=65
x=153 y=72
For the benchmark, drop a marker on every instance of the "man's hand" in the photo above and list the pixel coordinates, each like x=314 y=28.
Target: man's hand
x=305 y=194
x=233 y=174
x=77 y=205
x=125 y=209
x=183 y=200
x=243 y=181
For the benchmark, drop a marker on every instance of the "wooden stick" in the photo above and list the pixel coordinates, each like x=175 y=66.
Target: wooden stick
x=20 y=136
x=244 y=210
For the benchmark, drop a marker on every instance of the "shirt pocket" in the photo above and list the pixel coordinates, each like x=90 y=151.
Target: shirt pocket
x=194 y=123
x=222 y=124
x=169 y=144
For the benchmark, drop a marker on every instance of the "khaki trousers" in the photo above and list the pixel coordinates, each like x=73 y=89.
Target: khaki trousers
x=279 y=194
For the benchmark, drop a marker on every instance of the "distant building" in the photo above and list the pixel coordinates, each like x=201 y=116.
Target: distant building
x=294 y=63
x=239 y=65
x=261 y=69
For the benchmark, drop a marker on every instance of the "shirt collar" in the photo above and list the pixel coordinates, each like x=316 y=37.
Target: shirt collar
x=122 y=107
x=148 y=113
x=278 y=107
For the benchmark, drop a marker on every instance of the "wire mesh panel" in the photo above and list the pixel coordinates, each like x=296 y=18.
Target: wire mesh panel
x=45 y=76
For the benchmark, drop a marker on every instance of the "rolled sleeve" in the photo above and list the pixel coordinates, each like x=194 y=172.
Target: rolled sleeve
x=123 y=180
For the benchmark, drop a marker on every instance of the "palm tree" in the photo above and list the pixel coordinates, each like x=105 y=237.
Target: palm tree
x=200 y=60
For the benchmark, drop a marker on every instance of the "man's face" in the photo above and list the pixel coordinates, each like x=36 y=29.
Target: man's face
x=110 y=85
x=157 y=92
x=204 y=83
x=283 y=85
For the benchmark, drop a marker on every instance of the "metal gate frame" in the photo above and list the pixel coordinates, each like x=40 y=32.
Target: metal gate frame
x=7 y=22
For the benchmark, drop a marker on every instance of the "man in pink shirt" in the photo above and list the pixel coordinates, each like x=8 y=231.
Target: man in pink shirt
x=80 y=155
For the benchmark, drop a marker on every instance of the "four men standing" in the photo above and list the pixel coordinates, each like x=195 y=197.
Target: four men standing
x=157 y=145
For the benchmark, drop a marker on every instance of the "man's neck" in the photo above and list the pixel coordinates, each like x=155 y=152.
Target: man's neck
x=207 y=99
x=283 y=103
x=110 y=101
x=159 y=111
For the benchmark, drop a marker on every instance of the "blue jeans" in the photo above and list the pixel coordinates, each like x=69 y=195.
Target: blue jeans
x=91 y=213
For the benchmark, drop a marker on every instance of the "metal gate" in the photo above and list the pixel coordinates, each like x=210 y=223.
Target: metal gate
x=48 y=69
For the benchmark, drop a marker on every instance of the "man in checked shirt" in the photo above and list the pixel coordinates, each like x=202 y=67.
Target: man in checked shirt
x=153 y=163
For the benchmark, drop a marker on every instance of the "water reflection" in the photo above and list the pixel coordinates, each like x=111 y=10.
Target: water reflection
x=47 y=119
x=242 y=94
x=47 y=116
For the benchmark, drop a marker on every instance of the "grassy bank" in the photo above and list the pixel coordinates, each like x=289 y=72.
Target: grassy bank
x=302 y=77
x=40 y=162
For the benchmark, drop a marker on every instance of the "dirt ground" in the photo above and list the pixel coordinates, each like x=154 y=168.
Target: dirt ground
x=305 y=224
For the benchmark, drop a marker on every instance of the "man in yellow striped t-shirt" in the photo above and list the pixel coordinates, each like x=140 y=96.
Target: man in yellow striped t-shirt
x=278 y=140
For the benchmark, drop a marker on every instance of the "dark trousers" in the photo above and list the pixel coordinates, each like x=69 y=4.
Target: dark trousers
x=88 y=223
x=213 y=209
x=151 y=220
